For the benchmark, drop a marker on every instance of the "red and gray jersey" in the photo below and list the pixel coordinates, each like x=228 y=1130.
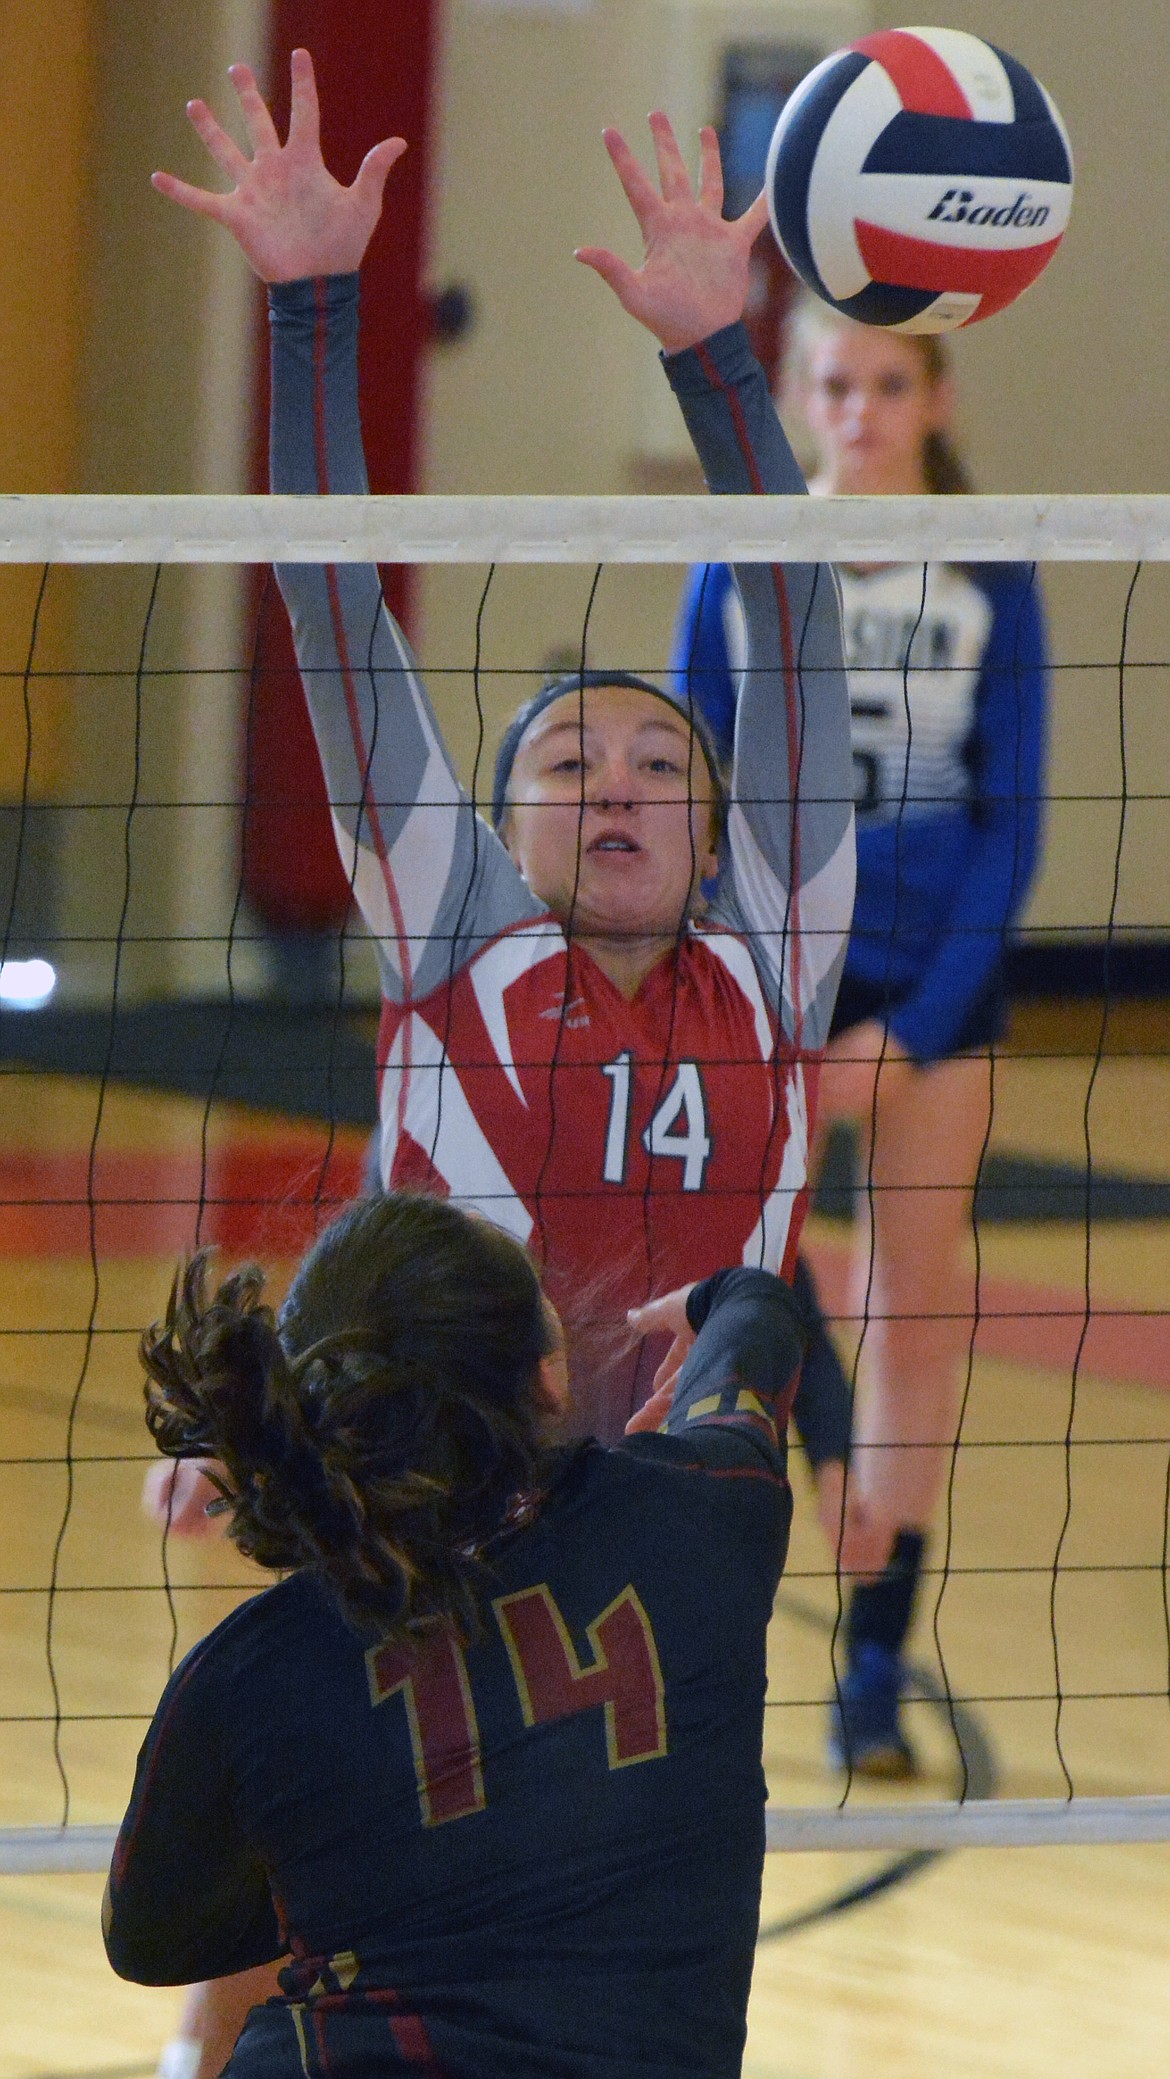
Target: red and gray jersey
x=635 y=1145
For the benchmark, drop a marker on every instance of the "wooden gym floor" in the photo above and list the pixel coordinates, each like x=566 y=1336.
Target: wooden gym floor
x=993 y=1963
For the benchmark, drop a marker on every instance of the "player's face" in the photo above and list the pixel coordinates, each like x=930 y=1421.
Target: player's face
x=610 y=812
x=871 y=403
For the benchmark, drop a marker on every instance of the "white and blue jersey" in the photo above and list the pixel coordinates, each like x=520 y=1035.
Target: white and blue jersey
x=947 y=670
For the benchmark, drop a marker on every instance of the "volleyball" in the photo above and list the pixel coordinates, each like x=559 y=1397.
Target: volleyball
x=920 y=179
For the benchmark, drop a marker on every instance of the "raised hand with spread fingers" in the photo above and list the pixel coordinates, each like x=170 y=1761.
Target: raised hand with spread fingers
x=289 y=216
x=694 y=274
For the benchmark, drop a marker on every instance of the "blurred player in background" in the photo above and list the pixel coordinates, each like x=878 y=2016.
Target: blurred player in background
x=947 y=672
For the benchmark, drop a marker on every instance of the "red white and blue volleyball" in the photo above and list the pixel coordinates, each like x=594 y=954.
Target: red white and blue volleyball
x=920 y=179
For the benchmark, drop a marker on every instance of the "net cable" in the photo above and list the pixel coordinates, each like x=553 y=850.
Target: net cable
x=154 y=532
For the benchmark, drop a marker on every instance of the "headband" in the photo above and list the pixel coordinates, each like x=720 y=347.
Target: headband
x=584 y=681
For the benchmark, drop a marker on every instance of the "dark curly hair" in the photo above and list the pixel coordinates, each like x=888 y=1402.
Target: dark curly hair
x=382 y=1428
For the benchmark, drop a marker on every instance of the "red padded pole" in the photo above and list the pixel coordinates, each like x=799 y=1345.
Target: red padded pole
x=375 y=72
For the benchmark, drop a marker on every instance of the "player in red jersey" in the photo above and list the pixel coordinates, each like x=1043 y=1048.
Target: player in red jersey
x=574 y=1044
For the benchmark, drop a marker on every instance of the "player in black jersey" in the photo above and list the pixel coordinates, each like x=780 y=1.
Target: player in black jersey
x=486 y=1765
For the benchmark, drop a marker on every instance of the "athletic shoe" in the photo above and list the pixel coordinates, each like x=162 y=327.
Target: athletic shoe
x=865 y=1732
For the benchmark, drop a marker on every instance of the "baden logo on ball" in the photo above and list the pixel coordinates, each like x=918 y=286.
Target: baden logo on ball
x=920 y=179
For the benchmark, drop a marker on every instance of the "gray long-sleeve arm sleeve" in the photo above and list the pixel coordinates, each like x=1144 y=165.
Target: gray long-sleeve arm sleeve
x=432 y=880
x=787 y=875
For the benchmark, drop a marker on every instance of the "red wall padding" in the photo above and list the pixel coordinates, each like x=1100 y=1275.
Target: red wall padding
x=375 y=73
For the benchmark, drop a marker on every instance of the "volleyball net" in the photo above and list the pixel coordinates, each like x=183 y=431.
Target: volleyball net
x=167 y=1095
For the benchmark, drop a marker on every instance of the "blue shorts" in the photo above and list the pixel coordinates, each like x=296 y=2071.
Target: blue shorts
x=986 y=1021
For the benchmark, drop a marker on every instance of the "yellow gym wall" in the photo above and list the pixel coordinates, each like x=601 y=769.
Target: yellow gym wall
x=167 y=407
x=46 y=80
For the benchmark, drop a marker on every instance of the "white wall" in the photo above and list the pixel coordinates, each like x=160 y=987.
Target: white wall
x=556 y=388
x=1068 y=391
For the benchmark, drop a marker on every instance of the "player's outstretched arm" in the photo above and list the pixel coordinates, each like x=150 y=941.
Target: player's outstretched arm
x=379 y=741
x=288 y=215
x=791 y=832
x=693 y=279
x=734 y=1362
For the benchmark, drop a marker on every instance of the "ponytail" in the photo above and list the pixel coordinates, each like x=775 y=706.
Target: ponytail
x=380 y=1431
x=942 y=465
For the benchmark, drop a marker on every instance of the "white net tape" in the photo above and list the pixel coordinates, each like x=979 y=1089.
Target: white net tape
x=1075 y=529
x=793 y=1830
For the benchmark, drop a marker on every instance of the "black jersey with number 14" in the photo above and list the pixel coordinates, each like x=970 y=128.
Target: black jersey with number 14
x=538 y=1854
